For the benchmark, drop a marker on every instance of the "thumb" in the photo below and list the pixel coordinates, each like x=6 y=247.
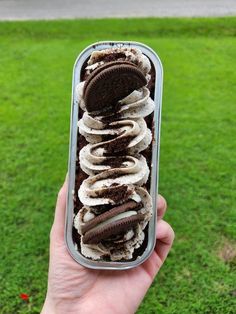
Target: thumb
x=59 y=217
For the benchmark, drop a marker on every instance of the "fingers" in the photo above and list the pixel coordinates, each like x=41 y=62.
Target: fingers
x=165 y=234
x=161 y=207
x=59 y=217
x=165 y=238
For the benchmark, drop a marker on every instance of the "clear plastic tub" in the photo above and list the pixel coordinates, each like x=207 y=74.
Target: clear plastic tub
x=151 y=232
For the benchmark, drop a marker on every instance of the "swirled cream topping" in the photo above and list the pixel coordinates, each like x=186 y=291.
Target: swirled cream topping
x=137 y=104
x=123 y=247
x=113 y=158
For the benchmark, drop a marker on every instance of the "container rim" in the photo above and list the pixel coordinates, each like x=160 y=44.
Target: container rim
x=122 y=265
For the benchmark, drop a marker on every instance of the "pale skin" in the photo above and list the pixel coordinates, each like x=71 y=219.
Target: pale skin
x=73 y=288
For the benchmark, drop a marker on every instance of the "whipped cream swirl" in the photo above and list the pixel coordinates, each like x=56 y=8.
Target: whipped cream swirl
x=112 y=158
x=131 y=240
x=98 y=159
x=137 y=104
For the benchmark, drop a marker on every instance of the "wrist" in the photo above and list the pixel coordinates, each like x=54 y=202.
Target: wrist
x=61 y=306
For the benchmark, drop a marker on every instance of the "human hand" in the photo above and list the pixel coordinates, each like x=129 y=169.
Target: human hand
x=72 y=288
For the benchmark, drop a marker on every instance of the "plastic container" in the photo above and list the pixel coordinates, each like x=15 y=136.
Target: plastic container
x=118 y=265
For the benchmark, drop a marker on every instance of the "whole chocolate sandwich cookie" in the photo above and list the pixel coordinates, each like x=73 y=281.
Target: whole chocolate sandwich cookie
x=115 y=204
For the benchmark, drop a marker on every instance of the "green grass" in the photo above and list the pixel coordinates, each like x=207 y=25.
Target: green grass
x=198 y=154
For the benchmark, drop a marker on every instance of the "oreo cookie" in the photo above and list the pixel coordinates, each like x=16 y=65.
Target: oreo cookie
x=130 y=205
x=110 y=83
x=97 y=234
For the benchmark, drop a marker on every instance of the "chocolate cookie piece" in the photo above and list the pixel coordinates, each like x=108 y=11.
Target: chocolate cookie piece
x=110 y=83
x=109 y=214
x=103 y=67
x=97 y=234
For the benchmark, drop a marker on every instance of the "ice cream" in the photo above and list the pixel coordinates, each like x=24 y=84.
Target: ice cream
x=115 y=102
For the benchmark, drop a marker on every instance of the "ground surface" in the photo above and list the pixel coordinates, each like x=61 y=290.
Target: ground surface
x=198 y=153
x=44 y=9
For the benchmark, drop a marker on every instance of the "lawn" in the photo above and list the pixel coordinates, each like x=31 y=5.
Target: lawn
x=198 y=154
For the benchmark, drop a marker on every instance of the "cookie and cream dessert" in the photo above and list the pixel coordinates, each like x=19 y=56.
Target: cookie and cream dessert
x=113 y=204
